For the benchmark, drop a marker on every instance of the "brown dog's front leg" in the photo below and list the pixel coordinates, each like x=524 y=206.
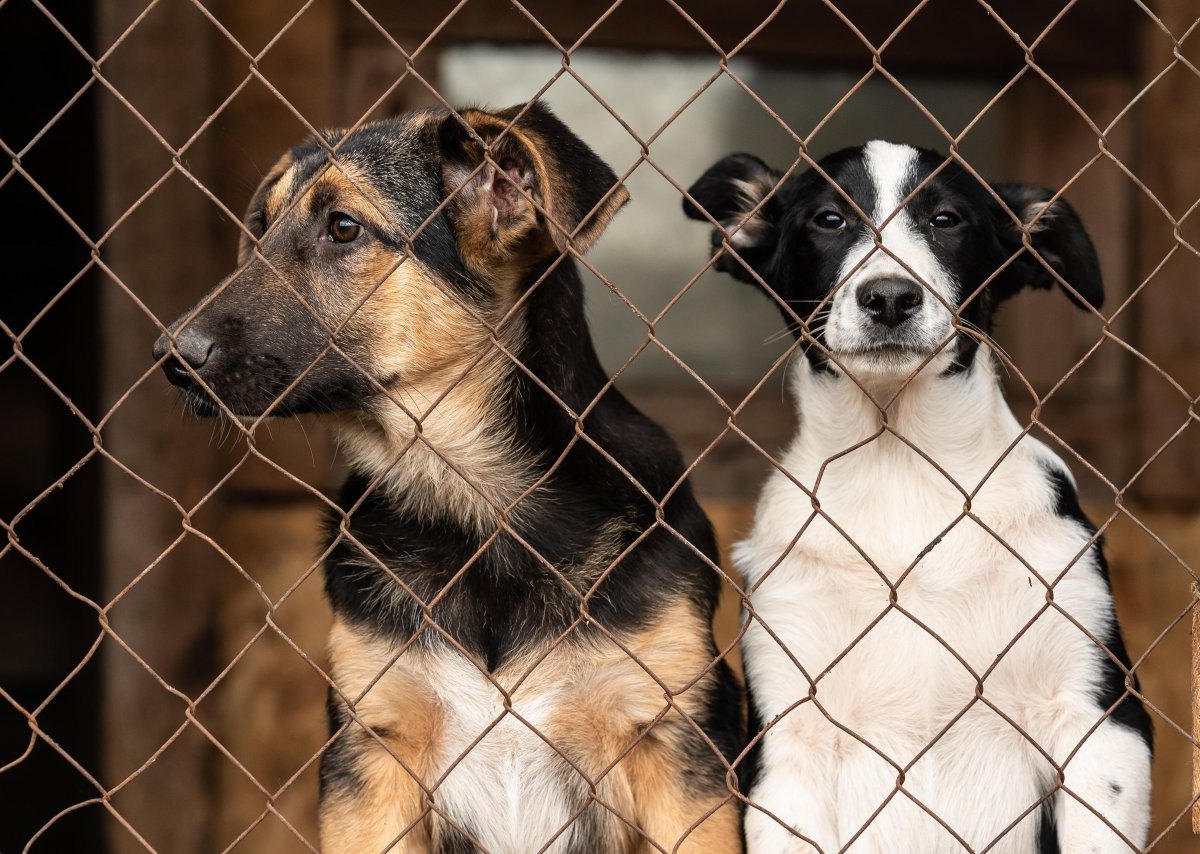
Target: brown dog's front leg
x=677 y=816
x=370 y=802
x=372 y=798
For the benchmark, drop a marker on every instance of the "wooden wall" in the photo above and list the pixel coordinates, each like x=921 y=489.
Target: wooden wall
x=250 y=615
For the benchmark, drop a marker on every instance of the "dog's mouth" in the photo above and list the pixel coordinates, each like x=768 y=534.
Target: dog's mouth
x=893 y=359
x=203 y=403
x=886 y=351
x=199 y=403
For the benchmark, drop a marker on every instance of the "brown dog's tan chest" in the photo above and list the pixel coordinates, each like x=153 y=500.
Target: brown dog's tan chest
x=514 y=758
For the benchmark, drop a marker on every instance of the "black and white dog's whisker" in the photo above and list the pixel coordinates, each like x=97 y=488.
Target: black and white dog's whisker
x=901 y=414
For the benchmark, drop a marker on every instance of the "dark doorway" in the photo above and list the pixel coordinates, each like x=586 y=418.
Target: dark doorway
x=45 y=632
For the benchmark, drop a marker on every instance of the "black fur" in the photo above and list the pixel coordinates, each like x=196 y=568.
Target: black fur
x=747 y=771
x=1128 y=711
x=798 y=262
x=338 y=761
x=454 y=841
x=508 y=600
x=1047 y=838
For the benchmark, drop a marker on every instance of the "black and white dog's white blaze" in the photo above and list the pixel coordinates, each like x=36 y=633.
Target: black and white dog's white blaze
x=967 y=714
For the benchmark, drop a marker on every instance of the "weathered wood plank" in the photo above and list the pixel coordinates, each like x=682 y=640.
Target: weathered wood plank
x=1095 y=35
x=1168 y=128
x=167 y=617
x=1196 y=713
x=1044 y=333
x=188 y=615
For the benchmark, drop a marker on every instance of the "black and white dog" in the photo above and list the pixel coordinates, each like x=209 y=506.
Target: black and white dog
x=929 y=678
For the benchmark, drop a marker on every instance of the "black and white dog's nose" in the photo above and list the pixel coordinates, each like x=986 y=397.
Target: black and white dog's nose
x=890 y=301
x=192 y=345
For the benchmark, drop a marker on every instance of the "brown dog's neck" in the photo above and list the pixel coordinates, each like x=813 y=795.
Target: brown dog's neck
x=442 y=449
x=468 y=442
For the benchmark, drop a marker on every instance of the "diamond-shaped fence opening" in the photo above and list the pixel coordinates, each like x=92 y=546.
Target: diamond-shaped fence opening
x=534 y=643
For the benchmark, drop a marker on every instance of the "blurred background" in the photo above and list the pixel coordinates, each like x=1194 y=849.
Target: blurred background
x=162 y=626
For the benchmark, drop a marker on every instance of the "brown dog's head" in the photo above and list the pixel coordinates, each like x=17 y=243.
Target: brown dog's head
x=383 y=264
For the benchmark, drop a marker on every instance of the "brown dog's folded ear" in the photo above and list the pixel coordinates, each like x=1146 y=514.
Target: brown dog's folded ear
x=539 y=158
x=1064 y=250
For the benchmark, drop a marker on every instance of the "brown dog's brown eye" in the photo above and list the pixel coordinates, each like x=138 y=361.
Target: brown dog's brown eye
x=343 y=229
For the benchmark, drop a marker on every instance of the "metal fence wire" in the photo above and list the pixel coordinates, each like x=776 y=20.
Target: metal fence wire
x=105 y=792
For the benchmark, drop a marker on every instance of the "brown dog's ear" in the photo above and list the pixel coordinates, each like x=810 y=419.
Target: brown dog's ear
x=538 y=157
x=264 y=206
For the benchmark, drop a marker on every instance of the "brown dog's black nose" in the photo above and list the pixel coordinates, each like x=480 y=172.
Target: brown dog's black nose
x=192 y=345
x=890 y=301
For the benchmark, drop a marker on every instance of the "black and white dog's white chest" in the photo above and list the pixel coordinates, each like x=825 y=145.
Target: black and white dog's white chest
x=929 y=652
x=931 y=646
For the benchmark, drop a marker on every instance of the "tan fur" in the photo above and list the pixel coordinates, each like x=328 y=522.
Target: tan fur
x=447 y=370
x=271 y=205
x=1037 y=216
x=749 y=232
x=592 y=226
x=598 y=721
x=675 y=819
x=550 y=181
x=376 y=818
x=393 y=763
x=479 y=235
x=402 y=325
x=354 y=190
x=598 y=221
x=498 y=247
x=610 y=717
x=282 y=191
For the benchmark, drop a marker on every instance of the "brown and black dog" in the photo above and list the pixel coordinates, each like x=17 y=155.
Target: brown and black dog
x=522 y=653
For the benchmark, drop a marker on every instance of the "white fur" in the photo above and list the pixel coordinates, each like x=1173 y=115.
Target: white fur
x=861 y=689
x=510 y=783
x=902 y=252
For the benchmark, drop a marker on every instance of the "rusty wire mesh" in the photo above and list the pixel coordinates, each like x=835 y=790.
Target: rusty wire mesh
x=106 y=791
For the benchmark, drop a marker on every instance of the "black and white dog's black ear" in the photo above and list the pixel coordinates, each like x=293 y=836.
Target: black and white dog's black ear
x=1057 y=235
x=732 y=193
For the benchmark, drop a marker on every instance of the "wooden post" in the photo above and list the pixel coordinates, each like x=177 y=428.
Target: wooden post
x=163 y=253
x=1169 y=125
x=1043 y=332
x=270 y=710
x=1196 y=710
x=189 y=612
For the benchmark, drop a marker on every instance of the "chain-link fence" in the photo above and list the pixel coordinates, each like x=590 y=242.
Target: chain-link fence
x=192 y=645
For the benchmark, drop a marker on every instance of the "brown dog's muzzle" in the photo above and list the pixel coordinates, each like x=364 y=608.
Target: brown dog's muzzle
x=194 y=348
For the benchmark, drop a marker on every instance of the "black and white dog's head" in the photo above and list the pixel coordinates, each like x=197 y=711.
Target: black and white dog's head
x=897 y=258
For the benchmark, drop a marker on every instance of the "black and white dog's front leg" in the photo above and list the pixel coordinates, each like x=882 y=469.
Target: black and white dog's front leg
x=1104 y=803
x=793 y=804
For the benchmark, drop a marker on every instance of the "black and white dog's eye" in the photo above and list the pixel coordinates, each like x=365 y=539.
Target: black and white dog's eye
x=829 y=220
x=944 y=219
x=343 y=229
